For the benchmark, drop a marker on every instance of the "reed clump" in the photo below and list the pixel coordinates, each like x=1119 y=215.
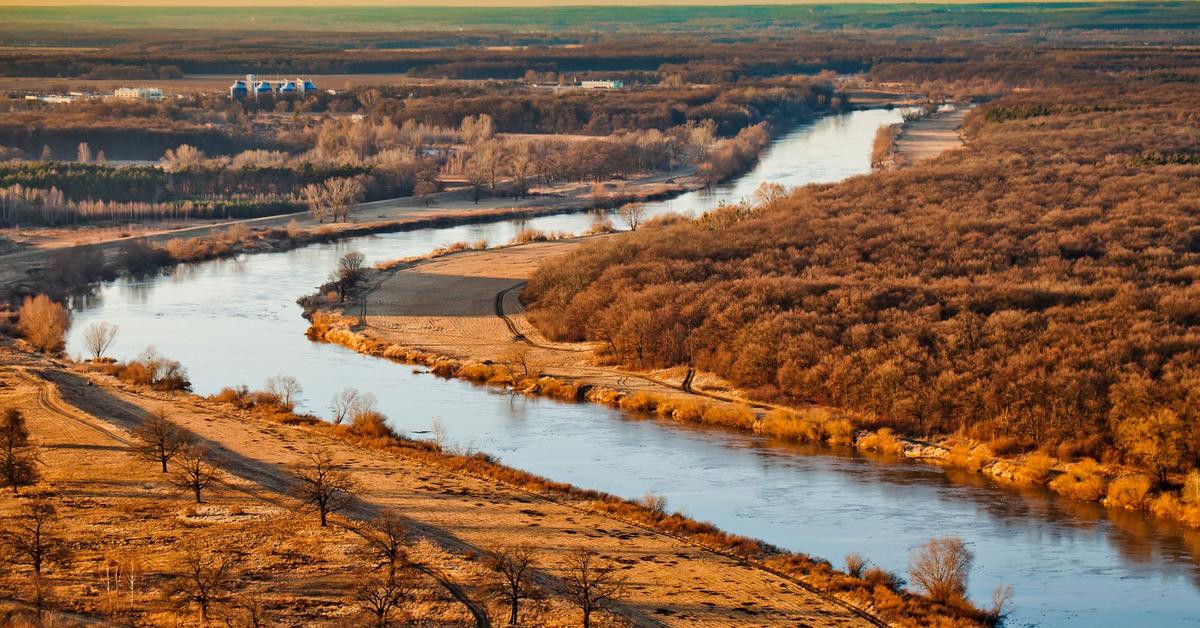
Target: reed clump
x=881 y=441
x=1081 y=480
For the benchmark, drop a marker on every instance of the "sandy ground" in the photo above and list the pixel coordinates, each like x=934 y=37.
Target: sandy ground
x=452 y=306
x=82 y=421
x=929 y=137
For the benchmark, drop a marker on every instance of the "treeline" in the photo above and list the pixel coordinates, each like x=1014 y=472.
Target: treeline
x=1036 y=287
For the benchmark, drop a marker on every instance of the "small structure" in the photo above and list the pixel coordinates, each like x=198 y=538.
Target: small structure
x=146 y=94
x=252 y=86
x=602 y=84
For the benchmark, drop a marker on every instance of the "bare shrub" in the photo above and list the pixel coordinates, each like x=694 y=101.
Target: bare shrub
x=656 y=504
x=1081 y=480
x=1129 y=492
x=632 y=214
x=855 y=564
x=98 y=337
x=941 y=567
x=882 y=441
x=43 y=323
x=323 y=484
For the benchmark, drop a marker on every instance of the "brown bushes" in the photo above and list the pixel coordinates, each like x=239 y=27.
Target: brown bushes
x=43 y=323
x=881 y=441
x=149 y=369
x=1081 y=480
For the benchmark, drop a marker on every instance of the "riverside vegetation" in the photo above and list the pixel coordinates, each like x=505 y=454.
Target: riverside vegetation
x=1028 y=296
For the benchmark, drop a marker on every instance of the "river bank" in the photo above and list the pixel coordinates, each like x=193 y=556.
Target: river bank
x=825 y=501
x=708 y=579
x=460 y=315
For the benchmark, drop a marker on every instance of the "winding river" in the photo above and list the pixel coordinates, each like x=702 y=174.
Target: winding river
x=1071 y=564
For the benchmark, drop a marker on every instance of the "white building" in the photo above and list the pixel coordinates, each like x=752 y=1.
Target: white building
x=602 y=84
x=148 y=94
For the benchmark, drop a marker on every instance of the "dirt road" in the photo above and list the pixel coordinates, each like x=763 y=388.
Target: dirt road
x=928 y=137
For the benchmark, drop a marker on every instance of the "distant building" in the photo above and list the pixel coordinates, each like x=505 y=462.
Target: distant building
x=602 y=84
x=147 y=94
x=252 y=86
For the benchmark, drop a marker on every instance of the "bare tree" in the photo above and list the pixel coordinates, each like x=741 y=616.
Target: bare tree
x=632 y=214
x=316 y=200
x=204 y=579
x=342 y=193
x=514 y=569
x=348 y=272
x=323 y=484
x=192 y=473
x=18 y=456
x=380 y=595
x=591 y=585
x=254 y=607
x=344 y=404
x=855 y=564
x=98 y=337
x=286 y=389
x=941 y=567
x=32 y=539
x=43 y=323
x=386 y=535
x=120 y=570
x=161 y=439
x=83 y=154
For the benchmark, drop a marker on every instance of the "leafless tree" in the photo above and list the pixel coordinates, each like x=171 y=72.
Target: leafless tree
x=18 y=456
x=192 y=473
x=380 y=595
x=425 y=190
x=348 y=272
x=98 y=337
x=855 y=564
x=324 y=484
x=205 y=578
x=941 y=567
x=161 y=439
x=286 y=389
x=592 y=585
x=83 y=154
x=632 y=214
x=514 y=569
x=43 y=323
x=345 y=403
x=342 y=193
x=32 y=539
x=120 y=570
x=254 y=609
x=386 y=535
x=316 y=200
x=520 y=364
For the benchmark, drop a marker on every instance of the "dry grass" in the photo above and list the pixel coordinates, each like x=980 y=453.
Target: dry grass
x=1129 y=492
x=1081 y=480
x=881 y=441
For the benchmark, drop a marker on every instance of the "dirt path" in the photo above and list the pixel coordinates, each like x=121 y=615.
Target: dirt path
x=672 y=582
x=928 y=137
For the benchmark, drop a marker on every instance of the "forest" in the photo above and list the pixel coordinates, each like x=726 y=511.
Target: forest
x=1034 y=289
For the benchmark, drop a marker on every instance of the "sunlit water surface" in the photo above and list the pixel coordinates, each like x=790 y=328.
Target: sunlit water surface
x=235 y=321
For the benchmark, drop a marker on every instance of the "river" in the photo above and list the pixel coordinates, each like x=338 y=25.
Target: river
x=235 y=321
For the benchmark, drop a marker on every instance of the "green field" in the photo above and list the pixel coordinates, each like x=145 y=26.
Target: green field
x=1065 y=15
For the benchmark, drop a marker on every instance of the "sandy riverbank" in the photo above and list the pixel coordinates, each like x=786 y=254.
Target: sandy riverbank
x=927 y=137
x=83 y=421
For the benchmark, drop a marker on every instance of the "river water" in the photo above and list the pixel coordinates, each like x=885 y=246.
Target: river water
x=1071 y=564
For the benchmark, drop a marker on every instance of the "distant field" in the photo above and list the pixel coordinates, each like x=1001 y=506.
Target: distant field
x=1080 y=15
x=201 y=83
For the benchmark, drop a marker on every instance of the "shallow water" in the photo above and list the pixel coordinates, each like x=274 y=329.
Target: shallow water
x=236 y=321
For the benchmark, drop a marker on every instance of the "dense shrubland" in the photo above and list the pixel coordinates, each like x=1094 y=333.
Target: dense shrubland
x=1034 y=289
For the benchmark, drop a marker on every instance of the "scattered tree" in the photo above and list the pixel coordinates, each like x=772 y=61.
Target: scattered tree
x=514 y=570
x=205 y=578
x=941 y=567
x=591 y=585
x=380 y=596
x=345 y=404
x=348 y=272
x=98 y=337
x=83 y=153
x=1156 y=440
x=323 y=484
x=32 y=539
x=386 y=535
x=192 y=473
x=632 y=214
x=18 y=456
x=161 y=439
x=43 y=323
x=285 y=389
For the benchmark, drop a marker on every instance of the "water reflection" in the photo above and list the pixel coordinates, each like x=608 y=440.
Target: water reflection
x=236 y=321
